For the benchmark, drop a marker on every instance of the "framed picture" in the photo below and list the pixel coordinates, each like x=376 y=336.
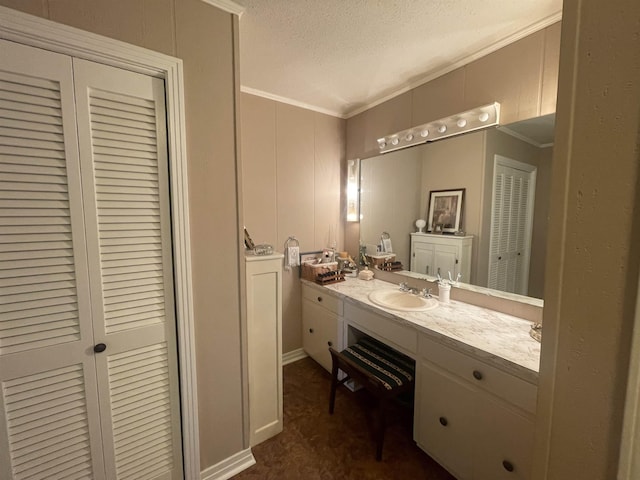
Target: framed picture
x=445 y=210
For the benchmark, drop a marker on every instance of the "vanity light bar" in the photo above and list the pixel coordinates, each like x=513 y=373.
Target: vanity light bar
x=474 y=119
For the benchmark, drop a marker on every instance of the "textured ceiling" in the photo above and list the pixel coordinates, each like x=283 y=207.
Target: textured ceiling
x=340 y=56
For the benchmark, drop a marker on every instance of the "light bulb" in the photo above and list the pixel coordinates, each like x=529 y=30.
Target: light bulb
x=424 y=133
x=382 y=143
x=394 y=141
x=408 y=137
x=461 y=122
x=442 y=128
x=484 y=116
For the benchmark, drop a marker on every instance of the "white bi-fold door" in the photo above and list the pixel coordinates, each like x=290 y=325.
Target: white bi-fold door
x=88 y=366
x=513 y=200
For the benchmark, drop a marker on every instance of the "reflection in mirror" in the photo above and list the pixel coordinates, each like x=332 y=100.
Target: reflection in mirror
x=505 y=173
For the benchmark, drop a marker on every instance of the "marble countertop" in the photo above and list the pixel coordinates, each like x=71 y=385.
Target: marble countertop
x=496 y=338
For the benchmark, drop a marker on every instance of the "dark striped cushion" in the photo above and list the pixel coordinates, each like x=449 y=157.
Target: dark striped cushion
x=391 y=367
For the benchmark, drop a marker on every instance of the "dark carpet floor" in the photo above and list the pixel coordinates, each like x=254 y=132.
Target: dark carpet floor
x=316 y=445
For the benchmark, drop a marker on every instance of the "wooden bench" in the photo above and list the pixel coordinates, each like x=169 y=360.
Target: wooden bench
x=383 y=371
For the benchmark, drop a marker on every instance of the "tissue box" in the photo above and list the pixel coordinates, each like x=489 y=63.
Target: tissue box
x=311 y=271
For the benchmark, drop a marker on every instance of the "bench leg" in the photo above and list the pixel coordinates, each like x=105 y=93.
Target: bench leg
x=334 y=386
x=382 y=408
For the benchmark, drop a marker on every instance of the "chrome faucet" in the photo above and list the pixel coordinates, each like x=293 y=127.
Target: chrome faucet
x=426 y=293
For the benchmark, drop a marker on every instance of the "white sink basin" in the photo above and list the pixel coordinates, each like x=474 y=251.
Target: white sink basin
x=398 y=300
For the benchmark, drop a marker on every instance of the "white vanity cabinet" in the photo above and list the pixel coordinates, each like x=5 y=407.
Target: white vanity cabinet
x=264 y=342
x=474 y=419
x=321 y=323
x=433 y=254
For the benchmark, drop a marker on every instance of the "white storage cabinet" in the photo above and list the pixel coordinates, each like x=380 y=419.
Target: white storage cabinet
x=264 y=337
x=440 y=254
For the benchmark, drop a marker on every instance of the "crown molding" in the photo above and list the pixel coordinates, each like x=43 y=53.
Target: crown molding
x=227 y=5
x=462 y=61
x=519 y=35
x=289 y=101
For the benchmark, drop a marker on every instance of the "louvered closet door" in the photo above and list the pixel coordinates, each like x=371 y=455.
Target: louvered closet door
x=49 y=419
x=511 y=223
x=123 y=151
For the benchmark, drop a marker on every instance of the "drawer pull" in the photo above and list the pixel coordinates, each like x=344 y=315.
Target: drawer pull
x=443 y=421
x=508 y=466
x=319 y=299
x=311 y=330
x=477 y=375
x=330 y=343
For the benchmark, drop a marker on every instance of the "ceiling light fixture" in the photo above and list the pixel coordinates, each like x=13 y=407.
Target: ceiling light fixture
x=474 y=119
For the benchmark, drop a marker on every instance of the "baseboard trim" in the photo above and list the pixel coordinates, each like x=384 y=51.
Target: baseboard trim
x=229 y=467
x=293 y=356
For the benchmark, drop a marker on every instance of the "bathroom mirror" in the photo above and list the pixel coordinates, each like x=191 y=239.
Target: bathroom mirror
x=395 y=187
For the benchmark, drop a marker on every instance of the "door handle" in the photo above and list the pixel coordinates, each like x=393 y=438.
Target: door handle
x=99 y=347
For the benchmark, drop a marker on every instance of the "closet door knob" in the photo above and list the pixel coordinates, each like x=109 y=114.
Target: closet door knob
x=443 y=421
x=311 y=330
x=330 y=343
x=319 y=299
x=99 y=347
x=477 y=375
x=508 y=466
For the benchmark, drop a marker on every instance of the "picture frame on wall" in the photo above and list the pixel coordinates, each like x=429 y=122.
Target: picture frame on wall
x=445 y=210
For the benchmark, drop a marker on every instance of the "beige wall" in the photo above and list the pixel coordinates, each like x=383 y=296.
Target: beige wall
x=292 y=166
x=182 y=28
x=521 y=76
x=454 y=163
x=500 y=143
x=593 y=252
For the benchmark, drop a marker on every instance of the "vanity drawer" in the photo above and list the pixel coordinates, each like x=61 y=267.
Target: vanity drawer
x=386 y=329
x=502 y=384
x=321 y=297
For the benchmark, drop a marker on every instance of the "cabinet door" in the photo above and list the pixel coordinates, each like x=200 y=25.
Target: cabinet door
x=507 y=441
x=422 y=258
x=319 y=331
x=445 y=260
x=444 y=417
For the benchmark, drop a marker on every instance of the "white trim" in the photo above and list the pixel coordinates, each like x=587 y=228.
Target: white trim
x=293 y=356
x=289 y=101
x=230 y=466
x=37 y=32
x=524 y=138
x=227 y=6
x=629 y=466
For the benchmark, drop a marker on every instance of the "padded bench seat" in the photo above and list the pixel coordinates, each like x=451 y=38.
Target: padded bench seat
x=383 y=371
